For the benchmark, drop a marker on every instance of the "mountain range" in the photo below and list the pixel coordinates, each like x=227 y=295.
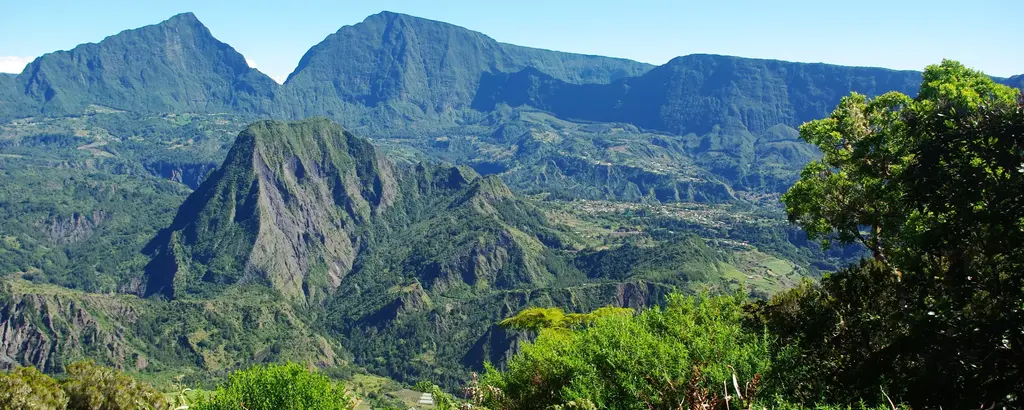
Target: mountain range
x=398 y=76
x=164 y=207
x=398 y=71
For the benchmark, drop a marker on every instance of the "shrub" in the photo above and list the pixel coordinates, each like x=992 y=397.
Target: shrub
x=30 y=389
x=278 y=387
x=687 y=352
x=91 y=387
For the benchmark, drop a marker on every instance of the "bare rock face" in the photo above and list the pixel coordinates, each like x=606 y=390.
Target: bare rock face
x=49 y=329
x=295 y=204
x=73 y=228
x=288 y=209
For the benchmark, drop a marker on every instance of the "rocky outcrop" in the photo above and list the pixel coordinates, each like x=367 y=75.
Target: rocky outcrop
x=295 y=204
x=63 y=230
x=288 y=208
x=49 y=327
x=48 y=330
x=190 y=175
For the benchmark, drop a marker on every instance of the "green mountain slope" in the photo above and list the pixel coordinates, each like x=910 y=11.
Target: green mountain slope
x=9 y=96
x=1015 y=81
x=308 y=239
x=173 y=66
x=734 y=118
x=394 y=75
x=288 y=208
x=294 y=204
x=695 y=93
x=308 y=211
x=405 y=68
x=49 y=327
x=537 y=153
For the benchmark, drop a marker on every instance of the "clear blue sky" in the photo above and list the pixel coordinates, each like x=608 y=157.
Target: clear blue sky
x=902 y=34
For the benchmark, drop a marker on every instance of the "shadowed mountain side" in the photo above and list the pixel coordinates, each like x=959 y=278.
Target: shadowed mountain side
x=287 y=208
x=406 y=67
x=1016 y=81
x=295 y=204
x=693 y=94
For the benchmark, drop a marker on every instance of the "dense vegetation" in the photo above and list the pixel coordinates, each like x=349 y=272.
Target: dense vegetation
x=87 y=386
x=660 y=358
x=933 y=187
x=580 y=181
x=83 y=386
x=287 y=387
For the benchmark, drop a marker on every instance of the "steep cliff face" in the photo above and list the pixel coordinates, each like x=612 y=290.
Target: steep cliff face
x=404 y=67
x=11 y=100
x=695 y=93
x=73 y=228
x=49 y=327
x=289 y=208
x=295 y=205
x=191 y=175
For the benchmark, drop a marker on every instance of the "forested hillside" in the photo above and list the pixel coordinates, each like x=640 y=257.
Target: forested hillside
x=419 y=204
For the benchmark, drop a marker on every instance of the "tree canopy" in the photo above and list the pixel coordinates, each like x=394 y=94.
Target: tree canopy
x=279 y=386
x=934 y=187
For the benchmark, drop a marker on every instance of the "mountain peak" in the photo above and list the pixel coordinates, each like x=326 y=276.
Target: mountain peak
x=172 y=66
x=284 y=209
x=396 y=63
x=187 y=18
x=392 y=16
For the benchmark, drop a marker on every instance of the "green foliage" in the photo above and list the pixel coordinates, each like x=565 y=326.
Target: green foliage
x=535 y=319
x=657 y=359
x=89 y=387
x=200 y=339
x=452 y=248
x=278 y=387
x=679 y=259
x=29 y=389
x=932 y=187
x=77 y=228
x=538 y=318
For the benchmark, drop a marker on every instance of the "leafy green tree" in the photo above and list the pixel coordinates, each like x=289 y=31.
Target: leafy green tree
x=933 y=186
x=694 y=351
x=279 y=387
x=29 y=389
x=93 y=387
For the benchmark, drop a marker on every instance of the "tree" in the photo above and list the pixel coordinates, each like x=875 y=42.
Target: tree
x=279 y=387
x=933 y=186
x=29 y=389
x=90 y=386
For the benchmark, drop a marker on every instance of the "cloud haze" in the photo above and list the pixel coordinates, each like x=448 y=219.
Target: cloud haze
x=14 y=64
